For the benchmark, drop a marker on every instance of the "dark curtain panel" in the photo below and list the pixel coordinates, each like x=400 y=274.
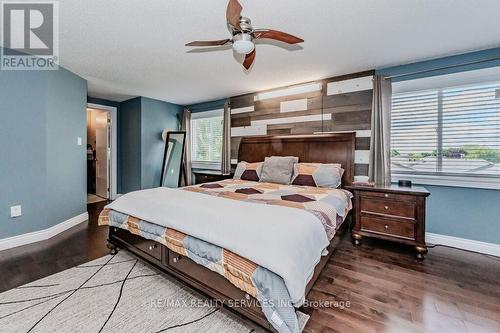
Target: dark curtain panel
x=380 y=145
x=186 y=126
x=226 y=140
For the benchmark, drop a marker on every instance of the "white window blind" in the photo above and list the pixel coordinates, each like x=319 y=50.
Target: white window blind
x=206 y=139
x=448 y=131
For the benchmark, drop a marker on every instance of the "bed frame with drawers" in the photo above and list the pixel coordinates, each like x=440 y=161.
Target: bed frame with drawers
x=323 y=148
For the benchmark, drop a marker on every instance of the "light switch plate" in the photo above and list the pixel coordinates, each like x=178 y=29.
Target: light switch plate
x=15 y=211
x=79 y=141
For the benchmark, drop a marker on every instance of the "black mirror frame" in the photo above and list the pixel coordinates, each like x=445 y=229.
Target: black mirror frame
x=182 y=170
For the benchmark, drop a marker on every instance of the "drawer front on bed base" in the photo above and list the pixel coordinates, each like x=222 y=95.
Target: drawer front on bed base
x=217 y=287
x=147 y=246
x=203 y=275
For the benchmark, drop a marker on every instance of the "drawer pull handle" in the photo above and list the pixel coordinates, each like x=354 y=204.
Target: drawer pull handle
x=386 y=207
x=152 y=247
x=247 y=297
x=386 y=195
x=386 y=227
x=176 y=260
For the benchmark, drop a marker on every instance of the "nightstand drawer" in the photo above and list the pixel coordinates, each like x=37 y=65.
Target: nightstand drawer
x=388 y=227
x=201 y=177
x=388 y=196
x=388 y=207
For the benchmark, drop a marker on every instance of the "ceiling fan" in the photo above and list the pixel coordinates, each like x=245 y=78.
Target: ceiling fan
x=243 y=35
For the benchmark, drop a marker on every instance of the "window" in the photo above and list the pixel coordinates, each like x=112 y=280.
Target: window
x=206 y=139
x=447 y=132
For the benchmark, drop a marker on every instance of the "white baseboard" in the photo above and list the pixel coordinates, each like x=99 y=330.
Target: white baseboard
x=37 y=236
x=462 y=243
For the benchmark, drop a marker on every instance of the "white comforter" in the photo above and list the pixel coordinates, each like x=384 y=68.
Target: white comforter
x=287 y=241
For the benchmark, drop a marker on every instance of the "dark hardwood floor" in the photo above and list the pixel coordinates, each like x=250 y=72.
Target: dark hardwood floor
x=73 y=247
x=378 y=286
x=391 y=291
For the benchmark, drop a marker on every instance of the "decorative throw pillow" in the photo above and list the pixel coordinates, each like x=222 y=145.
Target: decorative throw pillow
x=317 y=174
x=248 y=171
x=278 y=169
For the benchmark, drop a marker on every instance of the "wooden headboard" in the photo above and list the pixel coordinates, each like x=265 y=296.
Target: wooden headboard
x=317 y=148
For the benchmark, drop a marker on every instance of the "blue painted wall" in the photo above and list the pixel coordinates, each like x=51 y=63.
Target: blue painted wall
x=130 y=142
x=142 y=120
x=41 y=166
x=480 y=59
x=454 y=211
x=66 y=119
x=464 y=212
x=207 y=106
x=23 y=166
x=156 y=116
x=101 y=101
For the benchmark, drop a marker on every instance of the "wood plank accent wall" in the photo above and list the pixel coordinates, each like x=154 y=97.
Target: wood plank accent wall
x=344 y=103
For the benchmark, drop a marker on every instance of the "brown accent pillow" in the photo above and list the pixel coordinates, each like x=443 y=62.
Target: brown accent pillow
x=248 y=171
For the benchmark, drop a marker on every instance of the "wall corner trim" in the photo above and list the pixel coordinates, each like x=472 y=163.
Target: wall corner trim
x=41 y=235
x=462 y=243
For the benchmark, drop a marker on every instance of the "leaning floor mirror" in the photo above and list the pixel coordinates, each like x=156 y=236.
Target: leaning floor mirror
x=172 y=168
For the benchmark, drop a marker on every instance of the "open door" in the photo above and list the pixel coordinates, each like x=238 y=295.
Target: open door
x=103 y=152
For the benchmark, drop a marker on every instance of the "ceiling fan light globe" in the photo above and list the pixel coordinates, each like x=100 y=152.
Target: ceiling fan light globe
x=243 y=47
x=243 y=44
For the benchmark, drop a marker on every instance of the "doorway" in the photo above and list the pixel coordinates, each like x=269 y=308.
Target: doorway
x=101 y=153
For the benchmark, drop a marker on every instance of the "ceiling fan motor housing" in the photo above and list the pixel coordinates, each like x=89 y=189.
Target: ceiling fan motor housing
x=246 y=25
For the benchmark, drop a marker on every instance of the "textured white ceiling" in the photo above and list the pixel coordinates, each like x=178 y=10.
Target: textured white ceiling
x=127 y=48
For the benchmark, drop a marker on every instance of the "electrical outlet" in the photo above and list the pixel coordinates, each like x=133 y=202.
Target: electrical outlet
x=15 y=211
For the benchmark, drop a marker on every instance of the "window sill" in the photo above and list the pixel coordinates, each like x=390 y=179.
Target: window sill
x=207 y=172
x=453 y=181
x=206 y=166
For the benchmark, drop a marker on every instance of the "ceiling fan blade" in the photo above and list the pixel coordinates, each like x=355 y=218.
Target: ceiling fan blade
x=233 y=13
x=209 y=43
x=277 y=35
x=249 y=59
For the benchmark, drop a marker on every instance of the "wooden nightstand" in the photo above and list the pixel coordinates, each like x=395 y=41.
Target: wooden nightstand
x=208 y=176
x=392 y=213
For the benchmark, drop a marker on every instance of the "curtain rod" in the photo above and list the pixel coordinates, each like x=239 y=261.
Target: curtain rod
x=441 y=68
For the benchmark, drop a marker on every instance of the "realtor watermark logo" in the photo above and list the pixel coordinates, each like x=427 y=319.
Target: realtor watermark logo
x=30 y=35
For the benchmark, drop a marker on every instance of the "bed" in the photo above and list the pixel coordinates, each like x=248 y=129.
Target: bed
x=256 y=247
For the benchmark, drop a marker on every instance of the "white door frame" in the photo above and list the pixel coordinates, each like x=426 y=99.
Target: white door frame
x=114 y=143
